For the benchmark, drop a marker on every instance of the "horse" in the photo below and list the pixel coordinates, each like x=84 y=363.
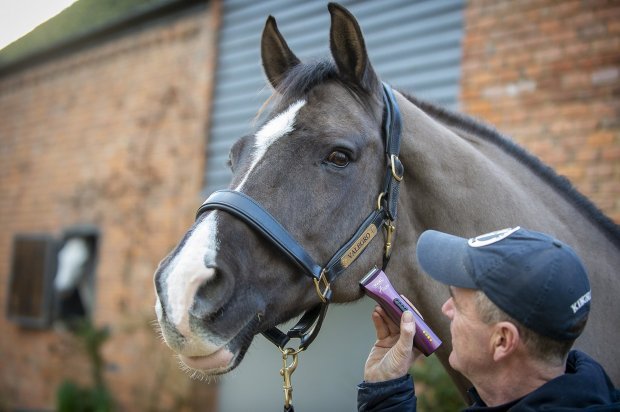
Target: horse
x=72 y=284
x=317 y=166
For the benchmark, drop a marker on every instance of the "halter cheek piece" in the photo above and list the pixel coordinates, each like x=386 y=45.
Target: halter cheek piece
x=254 y=215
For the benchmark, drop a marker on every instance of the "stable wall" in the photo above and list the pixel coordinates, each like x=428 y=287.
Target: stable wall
x=547 y=73
x=111 y=135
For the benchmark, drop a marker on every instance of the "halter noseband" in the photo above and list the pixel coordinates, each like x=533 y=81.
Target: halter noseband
x=244 y=208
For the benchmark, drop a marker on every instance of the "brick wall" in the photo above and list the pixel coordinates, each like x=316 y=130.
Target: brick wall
x=111 y=136
x=547 y=73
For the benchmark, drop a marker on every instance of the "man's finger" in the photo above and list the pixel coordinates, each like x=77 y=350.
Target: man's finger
x=407 y=332
x=392 y=327
x=381 y=328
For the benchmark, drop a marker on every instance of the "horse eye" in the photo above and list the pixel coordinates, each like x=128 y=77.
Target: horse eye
x=338 y=158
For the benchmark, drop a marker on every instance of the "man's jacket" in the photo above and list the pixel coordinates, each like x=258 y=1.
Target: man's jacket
x=584 y=385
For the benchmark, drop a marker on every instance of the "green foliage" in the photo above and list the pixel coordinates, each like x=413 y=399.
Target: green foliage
x=81 y=17
x=434 y=388
x=72 y=398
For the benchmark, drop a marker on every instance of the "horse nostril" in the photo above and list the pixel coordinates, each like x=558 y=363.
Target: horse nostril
x=211 y=297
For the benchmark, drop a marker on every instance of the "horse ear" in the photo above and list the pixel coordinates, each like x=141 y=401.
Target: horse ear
x=276 y=55
x=349 y=50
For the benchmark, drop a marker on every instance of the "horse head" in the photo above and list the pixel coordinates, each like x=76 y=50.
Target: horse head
x=72 y=258
x=317 y=165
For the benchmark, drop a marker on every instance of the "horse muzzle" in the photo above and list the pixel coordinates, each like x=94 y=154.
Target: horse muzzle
x=199 y=349
x=198 y=319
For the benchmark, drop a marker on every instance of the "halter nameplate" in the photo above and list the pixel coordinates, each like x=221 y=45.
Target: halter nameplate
x=358 y=247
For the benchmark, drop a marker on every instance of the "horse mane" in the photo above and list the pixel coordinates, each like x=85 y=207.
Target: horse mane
x=471 y=125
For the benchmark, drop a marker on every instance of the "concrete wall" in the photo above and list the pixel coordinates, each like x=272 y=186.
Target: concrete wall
x=113 y=136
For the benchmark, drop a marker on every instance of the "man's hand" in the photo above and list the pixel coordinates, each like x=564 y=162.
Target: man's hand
x=392 y=354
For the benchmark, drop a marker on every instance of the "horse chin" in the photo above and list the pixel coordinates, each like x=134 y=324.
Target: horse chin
x=218 y=363
x=224 y=359
x=214 y=364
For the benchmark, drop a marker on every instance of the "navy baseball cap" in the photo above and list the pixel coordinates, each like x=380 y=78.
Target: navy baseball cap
x=533 y=277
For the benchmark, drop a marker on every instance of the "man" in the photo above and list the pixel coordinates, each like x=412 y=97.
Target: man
x=519 y=299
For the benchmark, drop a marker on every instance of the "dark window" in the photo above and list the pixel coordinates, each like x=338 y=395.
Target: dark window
x=30 y=284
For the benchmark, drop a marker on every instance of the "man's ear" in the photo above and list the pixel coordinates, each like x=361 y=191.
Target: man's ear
x=504 y=340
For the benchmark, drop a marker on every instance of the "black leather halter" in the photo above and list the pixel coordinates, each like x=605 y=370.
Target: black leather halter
x=254 y=215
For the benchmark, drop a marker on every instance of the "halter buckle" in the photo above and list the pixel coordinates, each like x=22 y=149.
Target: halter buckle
x=317 y=284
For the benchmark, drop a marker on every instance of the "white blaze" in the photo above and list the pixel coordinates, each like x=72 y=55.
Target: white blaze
x=189 y=271
x=274 y=129
x=189 y=267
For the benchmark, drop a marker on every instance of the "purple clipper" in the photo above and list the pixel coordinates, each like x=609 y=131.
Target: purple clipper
x=377 y=285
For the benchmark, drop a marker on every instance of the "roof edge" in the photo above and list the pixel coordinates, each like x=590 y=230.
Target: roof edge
x=126 y=23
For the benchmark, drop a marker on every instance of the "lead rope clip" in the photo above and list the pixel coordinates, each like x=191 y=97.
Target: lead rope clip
x=286 y=372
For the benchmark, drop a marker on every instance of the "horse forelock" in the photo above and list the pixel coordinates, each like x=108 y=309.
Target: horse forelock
x=560 y=183
x=303 y=77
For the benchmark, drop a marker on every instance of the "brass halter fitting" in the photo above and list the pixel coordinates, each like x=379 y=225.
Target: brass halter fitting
x=317 y=284
x=397 y=168
x=388 y=224
x=389 y=230
x=286 y=372
x=380 y=199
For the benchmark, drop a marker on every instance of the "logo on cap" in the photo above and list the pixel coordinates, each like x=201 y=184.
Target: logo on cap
x=490 y=238
x=581 y=301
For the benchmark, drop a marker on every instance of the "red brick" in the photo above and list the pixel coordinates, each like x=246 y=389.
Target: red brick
x=600 y=139
x=563 y=48
x=87 y=139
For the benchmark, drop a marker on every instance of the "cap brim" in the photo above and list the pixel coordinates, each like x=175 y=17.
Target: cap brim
x=445 y=258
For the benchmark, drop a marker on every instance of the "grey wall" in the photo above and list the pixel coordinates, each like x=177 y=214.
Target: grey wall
x=326 y=377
